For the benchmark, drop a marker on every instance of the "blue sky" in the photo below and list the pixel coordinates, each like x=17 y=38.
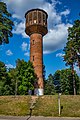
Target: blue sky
x=61 y=15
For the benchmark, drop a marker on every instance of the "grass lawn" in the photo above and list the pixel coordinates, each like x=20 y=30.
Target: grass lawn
x=11 y=105
x=45 y=105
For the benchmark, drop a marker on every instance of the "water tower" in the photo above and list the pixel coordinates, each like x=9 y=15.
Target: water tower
x=36 y=28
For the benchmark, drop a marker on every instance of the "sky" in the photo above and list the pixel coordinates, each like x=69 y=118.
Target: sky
x=61 y=15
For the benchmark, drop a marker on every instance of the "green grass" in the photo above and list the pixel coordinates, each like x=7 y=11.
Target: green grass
x=45 y=106
x=10 y=105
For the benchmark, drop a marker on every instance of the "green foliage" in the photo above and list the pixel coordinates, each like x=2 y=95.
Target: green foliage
x=70 y=56
x=12 y=77
x=72 y=49
x=5 y=81
x=63 y=80
x=5 y=24
x=2 y=77
x=44 y=72
x=17 y=80
x=49 y=86
x=26 y=76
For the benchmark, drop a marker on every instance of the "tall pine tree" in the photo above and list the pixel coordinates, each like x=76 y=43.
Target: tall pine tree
x=72 y=49
x=5 y=24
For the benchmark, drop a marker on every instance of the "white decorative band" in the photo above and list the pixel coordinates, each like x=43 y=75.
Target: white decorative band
x=38 y=91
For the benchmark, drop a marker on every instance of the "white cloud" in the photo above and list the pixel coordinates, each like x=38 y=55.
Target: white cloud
x=53 y=16
x=46 y=52
x=26 y=54
x=57 y=35
x=9 y=52
x=56 y=2
x=9 y=66
x=66 y=12
x=60 y=55
x=20 y=29
x=15 y=16
x=19 y=7
x=77 y=70
x=56 y=38
x=24 y=46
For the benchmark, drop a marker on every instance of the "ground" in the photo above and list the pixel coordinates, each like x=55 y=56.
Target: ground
x=36 y=118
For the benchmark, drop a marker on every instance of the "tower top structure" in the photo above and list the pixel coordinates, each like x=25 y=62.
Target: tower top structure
x=36 y=22
x=37 y=9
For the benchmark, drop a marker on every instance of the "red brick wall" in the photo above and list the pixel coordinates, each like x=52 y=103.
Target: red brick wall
x=36 y=56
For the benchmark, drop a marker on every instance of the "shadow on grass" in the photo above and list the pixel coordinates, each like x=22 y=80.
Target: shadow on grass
x=29 y=114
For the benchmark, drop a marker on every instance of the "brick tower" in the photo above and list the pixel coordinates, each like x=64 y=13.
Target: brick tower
x=36 y=28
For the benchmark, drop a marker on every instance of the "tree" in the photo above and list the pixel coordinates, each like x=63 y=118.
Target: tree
x=70 y=59
x=5 y=24
x=49 y=86
x=57 y=79
x=26 y=76
x=72 y=49
x=63 y=80
x=8 y=89
x=2 y=77
x=74 y=36
x=5 y=83
x=17 y=81
x=44 y=72
x=12 y=73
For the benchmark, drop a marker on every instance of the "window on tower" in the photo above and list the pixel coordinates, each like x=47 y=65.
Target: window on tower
x=33 y=42
x=39 y=17
x=44 y=19
x=33 y=58
x=35 y=17
x=30 y=18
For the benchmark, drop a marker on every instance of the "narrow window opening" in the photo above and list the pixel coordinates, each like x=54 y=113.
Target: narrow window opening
x=30 y=18
x=33 y=58
x=39 y=17
x=33 y=42
x=35 y=17
x=44 y=19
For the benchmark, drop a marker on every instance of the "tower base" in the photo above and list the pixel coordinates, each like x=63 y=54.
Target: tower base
x=38 y=91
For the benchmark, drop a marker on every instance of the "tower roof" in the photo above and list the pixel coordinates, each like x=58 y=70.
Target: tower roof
x=37 y=9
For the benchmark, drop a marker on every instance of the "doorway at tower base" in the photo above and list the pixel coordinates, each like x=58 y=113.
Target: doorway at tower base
x=38 y=91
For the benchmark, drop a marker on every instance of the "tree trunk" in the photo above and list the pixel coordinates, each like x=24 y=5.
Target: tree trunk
x=16 y=88
x=74 y=85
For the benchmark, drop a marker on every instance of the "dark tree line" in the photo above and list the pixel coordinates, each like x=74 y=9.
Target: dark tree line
x=17 y=81
x=62 y=81
x=21 y=79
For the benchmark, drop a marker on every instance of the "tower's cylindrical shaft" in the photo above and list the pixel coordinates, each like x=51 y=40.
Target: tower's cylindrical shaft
x=36 y=57
x=36 y=28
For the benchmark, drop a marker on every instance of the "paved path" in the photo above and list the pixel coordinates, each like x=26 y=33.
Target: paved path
x=35 y=118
